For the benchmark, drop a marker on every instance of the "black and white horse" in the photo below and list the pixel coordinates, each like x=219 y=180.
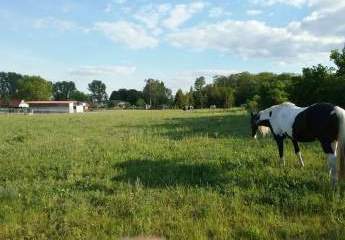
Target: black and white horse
x=321 y=121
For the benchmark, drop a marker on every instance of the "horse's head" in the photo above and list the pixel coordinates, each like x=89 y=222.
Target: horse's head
x=260 y=122
x=254 y=120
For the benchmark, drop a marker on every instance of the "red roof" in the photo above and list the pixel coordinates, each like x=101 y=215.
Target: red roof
x=48 y=103
x=13 y=103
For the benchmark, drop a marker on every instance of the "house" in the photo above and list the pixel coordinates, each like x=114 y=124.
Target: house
x=10 y=103
x=13 y=105
x=120 y=104
x=52 y=106
x=16 y=105
x=57 y=106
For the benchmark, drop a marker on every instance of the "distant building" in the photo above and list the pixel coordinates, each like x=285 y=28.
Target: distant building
x=120 y=104
x=52 y=106
x=11 y=103
x=16 y=105
x=13 y=106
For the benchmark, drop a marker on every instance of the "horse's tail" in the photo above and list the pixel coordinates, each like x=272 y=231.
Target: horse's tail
x=341 y=142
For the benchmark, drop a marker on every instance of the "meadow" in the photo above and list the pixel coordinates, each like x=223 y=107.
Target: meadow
x=171 y=174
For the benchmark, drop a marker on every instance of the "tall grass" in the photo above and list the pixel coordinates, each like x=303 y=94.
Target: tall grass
x=171 y=174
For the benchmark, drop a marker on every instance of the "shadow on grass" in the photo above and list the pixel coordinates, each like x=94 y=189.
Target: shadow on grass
x=193 y=124
x=165 y=173
x=222 y=126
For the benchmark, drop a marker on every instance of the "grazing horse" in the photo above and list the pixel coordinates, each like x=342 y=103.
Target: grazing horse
x=321 y=121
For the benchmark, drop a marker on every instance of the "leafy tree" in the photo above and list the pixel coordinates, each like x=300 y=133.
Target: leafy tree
x=198 y=95
x=312 y=86
x=98 y=92
x=253 y=104
x=271 y=90
x=63 y=90
x=155 y=93
x=79 y=96
x=339 y=60
x=34 y=88
x=140 y=102
x=181 y=100
x=189 y=97
x=229 y=97
x=9 y=84
x=131 y=95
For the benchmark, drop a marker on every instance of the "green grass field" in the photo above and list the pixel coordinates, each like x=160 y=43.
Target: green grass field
x=173 y=174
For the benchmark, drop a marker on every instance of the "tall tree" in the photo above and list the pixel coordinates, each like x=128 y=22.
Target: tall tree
x=98 y=92
x=130 y=95
x=9 y=84
x=181 y=99
x=312 y=86
x=63 y=90
x=79 y=96
x=34 y=88
x=199 y=97
x=155 y=93
x=338 y=57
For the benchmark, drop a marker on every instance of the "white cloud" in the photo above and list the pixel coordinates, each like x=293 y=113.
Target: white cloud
x=115 y=70
x=319 y=4
x=217 y=12
x=253 y=12
x=59 y=24
x=185 y=79
x=253 y=39
x=182 y=13
x=325 y=21
x=210 y=73
x=151 y=15
x=130 y=34
x=295 y=3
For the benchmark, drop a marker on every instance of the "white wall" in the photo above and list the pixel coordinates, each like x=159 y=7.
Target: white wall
x=52 y=109
x=79 y=109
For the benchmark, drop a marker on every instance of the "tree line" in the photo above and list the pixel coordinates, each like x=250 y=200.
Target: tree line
x=17 y=86
x=257 y=91
x=254 y=91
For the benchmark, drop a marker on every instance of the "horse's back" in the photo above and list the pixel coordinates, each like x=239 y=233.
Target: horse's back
x=317 y=121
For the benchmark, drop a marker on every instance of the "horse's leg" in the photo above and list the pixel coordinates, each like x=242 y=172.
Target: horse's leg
x=332 y=160
x=280 y=143
x=298 y=152
x=334 y=147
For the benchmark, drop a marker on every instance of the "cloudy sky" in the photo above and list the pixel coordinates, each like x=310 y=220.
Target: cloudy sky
x=123 y=42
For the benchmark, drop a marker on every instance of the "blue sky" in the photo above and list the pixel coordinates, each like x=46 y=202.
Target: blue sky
x=123 y=42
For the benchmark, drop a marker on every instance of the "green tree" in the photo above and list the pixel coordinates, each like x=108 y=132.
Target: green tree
x=338 y=57
x=312 y=86
x=198 y=94
x=9 y=84
x=272 y=92
x=155 y=93
x=140 y=102
x=34 y=88
x=253 y=104
x=79 y=96
x=131 y=95
x=63 y=90
x=229 y=97
x=181 y=100
x=98 y=92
